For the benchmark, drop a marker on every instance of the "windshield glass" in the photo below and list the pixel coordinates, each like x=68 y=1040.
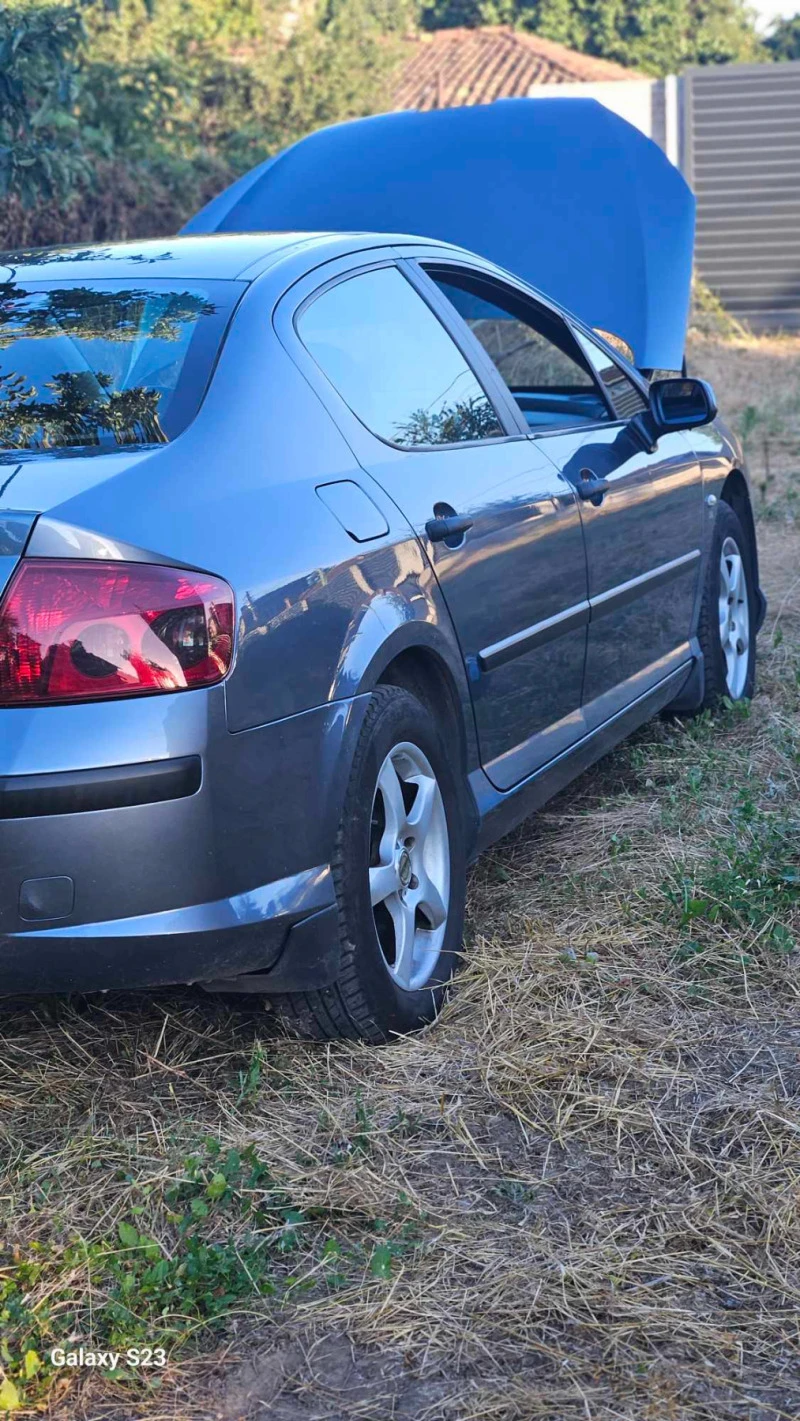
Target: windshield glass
x=106 y=363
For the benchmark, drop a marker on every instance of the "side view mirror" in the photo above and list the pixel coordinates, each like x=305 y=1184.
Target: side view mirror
x=681 y=404
x=674 y=404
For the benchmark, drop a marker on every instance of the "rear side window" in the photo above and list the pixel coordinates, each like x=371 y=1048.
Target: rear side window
x=626 y=397
x=394 y=364
x=531 y=348
x=99 y=364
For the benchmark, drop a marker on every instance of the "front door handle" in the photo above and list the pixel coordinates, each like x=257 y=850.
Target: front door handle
x=590 y=487
x=449 y=530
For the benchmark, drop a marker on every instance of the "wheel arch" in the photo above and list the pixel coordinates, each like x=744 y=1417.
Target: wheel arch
x=736 y=493
x=420 y=668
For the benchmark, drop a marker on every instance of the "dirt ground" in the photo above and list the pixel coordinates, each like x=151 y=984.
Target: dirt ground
x=576 y=1196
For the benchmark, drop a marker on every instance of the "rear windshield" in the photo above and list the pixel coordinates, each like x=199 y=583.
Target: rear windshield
x=99 y=364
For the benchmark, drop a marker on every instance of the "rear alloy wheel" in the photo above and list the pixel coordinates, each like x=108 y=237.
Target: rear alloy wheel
x=400 y=875
x=409 y=873
x=728 y=614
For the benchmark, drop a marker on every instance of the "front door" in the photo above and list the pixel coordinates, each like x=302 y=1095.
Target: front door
x=642 y=524
x=642 y=545
x=512 y=566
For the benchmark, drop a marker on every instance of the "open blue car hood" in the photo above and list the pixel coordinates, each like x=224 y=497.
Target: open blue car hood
x=560 y=191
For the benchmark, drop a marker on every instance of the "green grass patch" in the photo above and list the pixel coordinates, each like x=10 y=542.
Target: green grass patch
x=185 y=1254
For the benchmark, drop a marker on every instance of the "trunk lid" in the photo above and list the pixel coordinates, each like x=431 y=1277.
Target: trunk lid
x=32 y=484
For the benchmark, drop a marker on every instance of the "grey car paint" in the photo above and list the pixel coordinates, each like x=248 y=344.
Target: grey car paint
x=319 y=528
x=498 y=580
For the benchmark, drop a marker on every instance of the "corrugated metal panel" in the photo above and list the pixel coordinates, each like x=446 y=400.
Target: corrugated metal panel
x=742 y=156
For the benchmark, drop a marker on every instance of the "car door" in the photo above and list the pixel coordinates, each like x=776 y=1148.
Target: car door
x=643 y=540
x=642 y=522
x=445 y=445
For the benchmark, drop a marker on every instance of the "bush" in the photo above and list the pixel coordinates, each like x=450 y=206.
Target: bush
x=41 y=152
x=123 y=122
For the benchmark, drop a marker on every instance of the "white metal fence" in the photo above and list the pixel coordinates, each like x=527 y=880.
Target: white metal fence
x=734 y=130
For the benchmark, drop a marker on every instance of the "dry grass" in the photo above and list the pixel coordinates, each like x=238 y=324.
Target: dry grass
x=758 y=382
x=575 y=1197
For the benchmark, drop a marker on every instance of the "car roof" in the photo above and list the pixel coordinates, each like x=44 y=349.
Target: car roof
x=226 y=256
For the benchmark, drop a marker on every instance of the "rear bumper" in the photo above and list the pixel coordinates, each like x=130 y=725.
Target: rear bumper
x=283 y=935
x=142 y=843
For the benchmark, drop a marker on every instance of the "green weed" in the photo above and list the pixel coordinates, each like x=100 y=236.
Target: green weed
x=223 y=1231
x=749 y=882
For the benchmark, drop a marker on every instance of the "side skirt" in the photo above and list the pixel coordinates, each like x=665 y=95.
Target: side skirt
x=500 y=813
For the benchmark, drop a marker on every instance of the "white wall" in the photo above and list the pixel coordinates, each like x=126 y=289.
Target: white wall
x=651 y=105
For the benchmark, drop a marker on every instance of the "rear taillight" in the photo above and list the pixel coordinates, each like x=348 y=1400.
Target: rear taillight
x=86 y=630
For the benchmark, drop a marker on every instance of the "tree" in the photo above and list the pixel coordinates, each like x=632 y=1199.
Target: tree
x=233 y=79
x=655 y=36
x=40 y=146
x=784 y=41
x=134 y=112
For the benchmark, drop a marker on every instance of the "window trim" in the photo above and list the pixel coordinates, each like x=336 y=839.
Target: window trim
x=628 y=371
x=483 y=367
x=392 y=261
x=424 y=263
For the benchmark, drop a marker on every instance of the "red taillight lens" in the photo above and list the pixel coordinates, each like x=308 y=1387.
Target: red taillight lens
x=85 y=630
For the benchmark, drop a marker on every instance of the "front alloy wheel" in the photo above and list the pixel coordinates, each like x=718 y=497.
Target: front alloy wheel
x=734 y=617
x=726 y=628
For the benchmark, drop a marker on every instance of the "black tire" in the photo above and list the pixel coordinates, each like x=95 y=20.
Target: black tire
x=726 y=526
x=366 y=1002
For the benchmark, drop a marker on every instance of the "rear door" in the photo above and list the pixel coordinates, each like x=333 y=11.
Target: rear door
x=444 y=443
x=642 y=528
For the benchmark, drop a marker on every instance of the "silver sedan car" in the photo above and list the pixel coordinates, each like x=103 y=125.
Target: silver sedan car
x=325 y=560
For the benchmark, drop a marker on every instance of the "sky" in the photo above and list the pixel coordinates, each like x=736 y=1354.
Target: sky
x=768 y=10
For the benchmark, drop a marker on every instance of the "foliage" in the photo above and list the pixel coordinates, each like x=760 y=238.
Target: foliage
x=466 y=419
x=134 y=114
x=232 y=79
x=709 y=316
x=748 y=882
x=655 y=36
x=41 y=152
x=784 y=41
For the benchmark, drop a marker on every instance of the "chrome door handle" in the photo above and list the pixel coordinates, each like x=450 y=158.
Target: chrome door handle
x=441 y=530
x=590 y=487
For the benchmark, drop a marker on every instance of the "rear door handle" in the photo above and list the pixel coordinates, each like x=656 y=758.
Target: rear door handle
x=590 y=487
x=443 y=530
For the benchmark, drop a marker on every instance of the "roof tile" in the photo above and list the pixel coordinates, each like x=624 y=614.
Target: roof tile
x=451 y=68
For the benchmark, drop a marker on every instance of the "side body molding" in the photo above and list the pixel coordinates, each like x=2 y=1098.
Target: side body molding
x=552 y=627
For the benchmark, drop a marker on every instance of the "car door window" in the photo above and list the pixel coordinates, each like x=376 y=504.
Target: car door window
x=394 y=364
x=532 y=349
x=625 y=396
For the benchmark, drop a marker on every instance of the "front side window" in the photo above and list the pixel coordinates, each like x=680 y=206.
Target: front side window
x=532 y=350
x=394 y=364
x=626 y=397
x=99 y=364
